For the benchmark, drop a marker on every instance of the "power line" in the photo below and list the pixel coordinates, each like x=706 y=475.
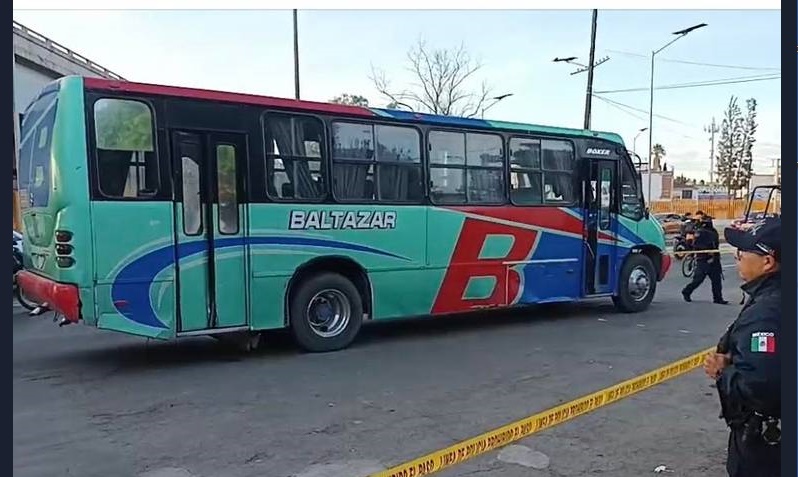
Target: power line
x=609 y=103
x=643 y=111
x=696 y=63
x=697 y=84
x=621 y=107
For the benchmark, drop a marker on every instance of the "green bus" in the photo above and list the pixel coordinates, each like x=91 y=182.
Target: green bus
x=167 y=212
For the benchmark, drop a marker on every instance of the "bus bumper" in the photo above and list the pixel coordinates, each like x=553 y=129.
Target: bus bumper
x=665 y=265
x=62 y=298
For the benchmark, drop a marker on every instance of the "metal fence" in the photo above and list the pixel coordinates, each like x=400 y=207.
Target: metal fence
x=717 y=208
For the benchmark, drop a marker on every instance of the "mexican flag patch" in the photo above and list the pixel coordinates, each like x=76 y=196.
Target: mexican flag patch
x=763 y=342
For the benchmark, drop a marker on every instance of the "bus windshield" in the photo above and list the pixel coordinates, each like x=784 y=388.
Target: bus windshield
x=36 y=132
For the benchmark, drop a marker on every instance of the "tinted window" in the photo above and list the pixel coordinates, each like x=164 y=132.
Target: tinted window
x=631 y=192
x=192 y=200
x=466 y=168
x=541 y=171
x=376 y=163
x=227 y=187
x=526 y=177
x=447 y=148
x=558 y=166
x=36 y=138
x=126 y=161
x=294 y=156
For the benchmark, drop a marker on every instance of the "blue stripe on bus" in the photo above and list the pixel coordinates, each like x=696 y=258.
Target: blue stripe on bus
x=132 y=283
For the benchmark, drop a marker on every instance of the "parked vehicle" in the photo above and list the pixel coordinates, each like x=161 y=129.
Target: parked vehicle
x=671 y=222
x=169 y=212
x=17 y=266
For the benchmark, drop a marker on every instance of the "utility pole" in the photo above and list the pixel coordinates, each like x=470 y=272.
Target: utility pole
x=776 y=170
x=590 y=67
x=712 y=129
x=296 y=57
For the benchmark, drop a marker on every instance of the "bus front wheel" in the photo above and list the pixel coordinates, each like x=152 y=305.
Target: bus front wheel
x=326 y=313
x=638 y=283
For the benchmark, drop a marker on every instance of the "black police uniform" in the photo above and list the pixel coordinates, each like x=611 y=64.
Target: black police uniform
x=707 y=264
x=687 y=227
x=750 y=386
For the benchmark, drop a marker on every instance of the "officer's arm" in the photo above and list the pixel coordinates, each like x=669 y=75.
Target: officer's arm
x=754 y=376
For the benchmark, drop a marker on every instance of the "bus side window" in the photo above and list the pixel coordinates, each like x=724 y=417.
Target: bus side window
x=375 y=162
x=558 y=168
x=127 y=165
x=631 y=200
x=294 y=157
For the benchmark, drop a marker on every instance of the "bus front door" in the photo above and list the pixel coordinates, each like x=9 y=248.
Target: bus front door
x=601 y=228
x=210 y=231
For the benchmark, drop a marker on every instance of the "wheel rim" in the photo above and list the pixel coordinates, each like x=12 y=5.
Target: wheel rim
x=328 y=313
x=639 y=284
x=687 y=267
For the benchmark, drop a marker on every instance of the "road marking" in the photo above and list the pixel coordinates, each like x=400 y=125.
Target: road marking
x=509 y=433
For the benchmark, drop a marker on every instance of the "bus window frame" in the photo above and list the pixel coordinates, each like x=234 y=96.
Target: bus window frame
x=164 y=191
x=626 y=162
x=576 y=177
x=261 y=184
x=465 y=167
x=237 y=161
x=421 y=164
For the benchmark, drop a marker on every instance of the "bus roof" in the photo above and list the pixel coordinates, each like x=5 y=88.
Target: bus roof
x=338 y=109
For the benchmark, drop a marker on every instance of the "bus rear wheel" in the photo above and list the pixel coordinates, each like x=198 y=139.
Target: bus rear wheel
x=325 y=313
x=637 y=286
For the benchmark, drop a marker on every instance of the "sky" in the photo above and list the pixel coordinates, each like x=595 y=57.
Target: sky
x=252 y=52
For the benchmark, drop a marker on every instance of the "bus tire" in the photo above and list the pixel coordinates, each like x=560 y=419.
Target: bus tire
x=637 y=286
x=325 y=313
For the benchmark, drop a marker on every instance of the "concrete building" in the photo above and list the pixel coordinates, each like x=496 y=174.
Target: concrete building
x=39 y=60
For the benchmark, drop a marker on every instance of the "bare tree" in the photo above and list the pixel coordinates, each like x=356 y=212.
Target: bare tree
x=442 y=82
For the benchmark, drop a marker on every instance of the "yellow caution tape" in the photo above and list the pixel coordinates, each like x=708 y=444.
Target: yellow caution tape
x=497 y=438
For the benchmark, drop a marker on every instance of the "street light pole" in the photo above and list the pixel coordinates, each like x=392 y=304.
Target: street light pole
x=296 y=57
x=679 y=34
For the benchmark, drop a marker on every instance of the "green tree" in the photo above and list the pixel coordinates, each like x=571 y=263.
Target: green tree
x=681 y=181
x=123 y=125
x=657 y=153
x=351 y=100
x=734 y=156
x=745 y=168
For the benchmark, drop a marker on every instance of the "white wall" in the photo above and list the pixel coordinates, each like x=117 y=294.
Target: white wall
x=656 y=186
x=27 y=84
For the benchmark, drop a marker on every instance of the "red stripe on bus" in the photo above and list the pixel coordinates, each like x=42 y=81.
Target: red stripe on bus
x=241 y=98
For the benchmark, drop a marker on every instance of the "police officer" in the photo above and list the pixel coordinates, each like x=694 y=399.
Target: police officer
x=707 y=264
x=747 y=364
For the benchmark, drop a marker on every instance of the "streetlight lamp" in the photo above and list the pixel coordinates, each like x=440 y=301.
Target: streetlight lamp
x=495 y=99
x=679 y=34
x=634 y=141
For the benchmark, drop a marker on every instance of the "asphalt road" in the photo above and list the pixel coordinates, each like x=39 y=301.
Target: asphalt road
x=89 y=403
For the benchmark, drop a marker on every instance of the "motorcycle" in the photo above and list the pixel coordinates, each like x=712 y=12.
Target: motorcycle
x=17 y=266
x=680 y=245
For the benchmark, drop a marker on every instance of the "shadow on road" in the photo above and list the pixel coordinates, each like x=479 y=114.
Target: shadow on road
x=127 y=354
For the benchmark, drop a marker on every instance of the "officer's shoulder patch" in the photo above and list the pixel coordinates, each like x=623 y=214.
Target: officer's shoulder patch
x=763 y=342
